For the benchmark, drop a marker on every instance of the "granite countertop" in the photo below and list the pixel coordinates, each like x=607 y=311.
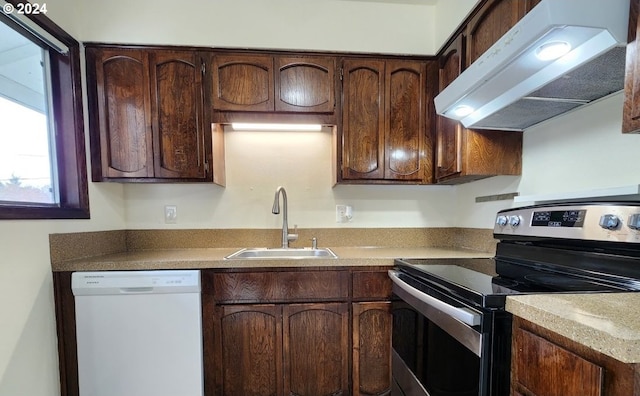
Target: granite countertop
x=214 y=258
x=606 y=322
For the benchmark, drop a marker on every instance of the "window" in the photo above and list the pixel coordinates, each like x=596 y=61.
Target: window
x=42 y=153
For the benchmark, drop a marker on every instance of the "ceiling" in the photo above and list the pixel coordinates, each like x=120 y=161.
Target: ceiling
x=414 y=2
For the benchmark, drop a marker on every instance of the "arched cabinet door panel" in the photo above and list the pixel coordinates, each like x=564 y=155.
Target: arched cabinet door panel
x=305 y=84
x=363 y=119
x=243 y=82
x=123 y=113
x=178 y=125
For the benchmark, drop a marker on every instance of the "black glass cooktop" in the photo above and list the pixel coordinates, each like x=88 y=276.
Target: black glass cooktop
x=475 y=280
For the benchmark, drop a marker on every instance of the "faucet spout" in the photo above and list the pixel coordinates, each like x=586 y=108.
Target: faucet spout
x=286 y=237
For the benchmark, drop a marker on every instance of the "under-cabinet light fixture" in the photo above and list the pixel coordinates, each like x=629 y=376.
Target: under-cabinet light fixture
x=275 y=127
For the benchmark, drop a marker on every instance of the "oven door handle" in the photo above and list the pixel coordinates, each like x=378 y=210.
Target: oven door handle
x=462 y=314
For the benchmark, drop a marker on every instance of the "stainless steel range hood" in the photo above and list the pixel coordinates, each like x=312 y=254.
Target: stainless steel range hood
x=510 y=88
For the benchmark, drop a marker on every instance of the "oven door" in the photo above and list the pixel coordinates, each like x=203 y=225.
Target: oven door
x=440 y=344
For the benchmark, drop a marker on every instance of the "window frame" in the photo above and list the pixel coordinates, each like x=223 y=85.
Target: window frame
x=67 y=109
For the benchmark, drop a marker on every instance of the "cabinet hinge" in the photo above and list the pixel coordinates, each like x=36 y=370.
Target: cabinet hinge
x=206 y=167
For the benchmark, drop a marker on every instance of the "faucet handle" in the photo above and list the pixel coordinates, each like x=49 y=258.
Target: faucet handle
x=293 y=237
x=314 y=243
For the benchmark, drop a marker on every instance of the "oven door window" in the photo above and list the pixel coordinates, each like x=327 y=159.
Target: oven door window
x=441 y=364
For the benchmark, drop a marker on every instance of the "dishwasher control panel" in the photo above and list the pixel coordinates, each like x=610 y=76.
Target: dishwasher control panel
x=129 y=282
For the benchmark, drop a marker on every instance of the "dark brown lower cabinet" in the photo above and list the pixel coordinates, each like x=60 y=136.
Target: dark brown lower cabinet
x=547 y=364
x=298 y=333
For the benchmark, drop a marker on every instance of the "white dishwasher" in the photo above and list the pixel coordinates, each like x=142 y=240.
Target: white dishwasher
x=139 y=333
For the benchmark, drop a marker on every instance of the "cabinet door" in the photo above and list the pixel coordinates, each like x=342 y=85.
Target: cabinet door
x=631 y=107
x=491 y=22
x=371 y=374
x=449 y=132
x=405 y=128
x=249 y=338
x=363 y=119
x=177 y=108
x=316 y=349
x=305 y=84
x=558 y=372
x=121 y=123
x=243 y=82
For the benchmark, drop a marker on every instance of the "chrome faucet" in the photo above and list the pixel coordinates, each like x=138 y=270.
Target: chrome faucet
x=286 y=237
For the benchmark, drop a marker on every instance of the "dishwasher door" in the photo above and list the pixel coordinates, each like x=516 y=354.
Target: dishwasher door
x=139 y=333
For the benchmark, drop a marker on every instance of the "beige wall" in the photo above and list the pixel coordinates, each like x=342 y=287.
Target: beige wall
x=575 y=153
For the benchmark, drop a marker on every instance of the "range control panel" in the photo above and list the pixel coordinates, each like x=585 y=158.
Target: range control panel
x=596 y=221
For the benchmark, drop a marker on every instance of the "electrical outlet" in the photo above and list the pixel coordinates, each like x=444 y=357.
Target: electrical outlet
x=344 y=213
x=170 y=214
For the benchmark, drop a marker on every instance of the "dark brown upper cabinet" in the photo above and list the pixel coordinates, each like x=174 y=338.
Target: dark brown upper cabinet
x=631 y=106
x=273 y=83
x=464 y=155
x=148 y=120
x=384 y=122
x=492 y=20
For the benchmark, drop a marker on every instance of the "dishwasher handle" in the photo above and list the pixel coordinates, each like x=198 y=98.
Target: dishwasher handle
x=462 y=314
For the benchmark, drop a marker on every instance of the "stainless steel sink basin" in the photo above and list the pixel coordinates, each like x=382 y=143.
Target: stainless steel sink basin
x=281 y=253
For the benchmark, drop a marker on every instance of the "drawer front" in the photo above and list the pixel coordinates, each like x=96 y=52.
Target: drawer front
x=371 y=285
x=286 y=286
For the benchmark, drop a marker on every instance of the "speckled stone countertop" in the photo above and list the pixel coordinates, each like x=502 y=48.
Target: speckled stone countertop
x=606 y=322
x=214 y=258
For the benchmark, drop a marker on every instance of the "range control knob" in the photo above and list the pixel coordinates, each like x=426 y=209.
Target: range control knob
x=514 y=221
x=609 y=222
x=634 y=221
x=502 y=221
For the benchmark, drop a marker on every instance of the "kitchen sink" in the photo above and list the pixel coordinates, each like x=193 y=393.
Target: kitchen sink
x=281 y=253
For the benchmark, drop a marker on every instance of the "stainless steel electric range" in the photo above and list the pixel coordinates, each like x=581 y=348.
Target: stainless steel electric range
x=451 y=333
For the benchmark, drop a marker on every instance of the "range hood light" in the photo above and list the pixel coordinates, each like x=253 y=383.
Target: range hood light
x=553 y=50
x=463 y=111
x=237 y=126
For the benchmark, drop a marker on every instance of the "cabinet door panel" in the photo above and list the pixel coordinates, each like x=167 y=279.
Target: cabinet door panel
x=124 y=113
x=449 y=132
x=405 y=129
x=371 y=348
x=491 y=22
x=243 y=82
x=251 y=343
x=177 y=100
x=558 y=372
x=305 y=84
x=363 y=120
x=316 y=344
